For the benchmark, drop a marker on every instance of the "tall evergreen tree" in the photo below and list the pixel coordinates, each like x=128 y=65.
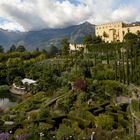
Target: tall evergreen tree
x=1 y=49
x=88 y=40
x=21 y=48
x=52 y=50
x=64 y=46
x=12 y=48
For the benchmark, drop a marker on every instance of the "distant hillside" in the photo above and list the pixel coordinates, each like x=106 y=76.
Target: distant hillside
x=42 y=39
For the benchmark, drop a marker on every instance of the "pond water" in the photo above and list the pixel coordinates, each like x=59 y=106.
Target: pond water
x=7 y=100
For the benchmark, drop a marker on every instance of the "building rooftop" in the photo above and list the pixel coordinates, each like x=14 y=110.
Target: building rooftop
x=28 y=81
x=120 y=22
x=9 y=123
x=109 y=23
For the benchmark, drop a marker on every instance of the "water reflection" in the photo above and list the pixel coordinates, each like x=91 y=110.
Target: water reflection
x=7 y=100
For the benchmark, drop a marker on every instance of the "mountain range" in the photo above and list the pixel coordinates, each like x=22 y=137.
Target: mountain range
x=43 y=38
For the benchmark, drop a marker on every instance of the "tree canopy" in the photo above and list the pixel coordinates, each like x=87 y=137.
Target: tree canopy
x=1 y=49
x=64 y=46
x=21 y=48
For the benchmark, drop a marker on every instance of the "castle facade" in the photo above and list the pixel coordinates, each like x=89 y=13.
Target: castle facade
x=115 y=32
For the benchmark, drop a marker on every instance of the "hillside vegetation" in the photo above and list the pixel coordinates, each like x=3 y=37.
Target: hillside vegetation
x=76 y=93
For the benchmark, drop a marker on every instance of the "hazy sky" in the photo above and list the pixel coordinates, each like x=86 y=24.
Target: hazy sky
x=27 y=15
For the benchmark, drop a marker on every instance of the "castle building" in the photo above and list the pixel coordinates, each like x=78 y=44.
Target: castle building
x=76 y=47
x=115 y=32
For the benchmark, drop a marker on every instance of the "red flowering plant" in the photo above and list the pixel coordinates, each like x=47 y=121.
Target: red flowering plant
x=79 y=85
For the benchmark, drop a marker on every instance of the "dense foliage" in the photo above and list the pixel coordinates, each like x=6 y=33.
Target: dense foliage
x=76 y=92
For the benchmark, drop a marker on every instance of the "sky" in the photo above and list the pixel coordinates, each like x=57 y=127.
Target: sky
x=28 y=15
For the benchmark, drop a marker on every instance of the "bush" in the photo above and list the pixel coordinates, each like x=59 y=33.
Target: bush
x=104 y=122
x=64 y=131
x=80 y=85
x=4 y=88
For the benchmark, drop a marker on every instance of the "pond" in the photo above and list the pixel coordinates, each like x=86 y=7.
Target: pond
x=7 y=100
